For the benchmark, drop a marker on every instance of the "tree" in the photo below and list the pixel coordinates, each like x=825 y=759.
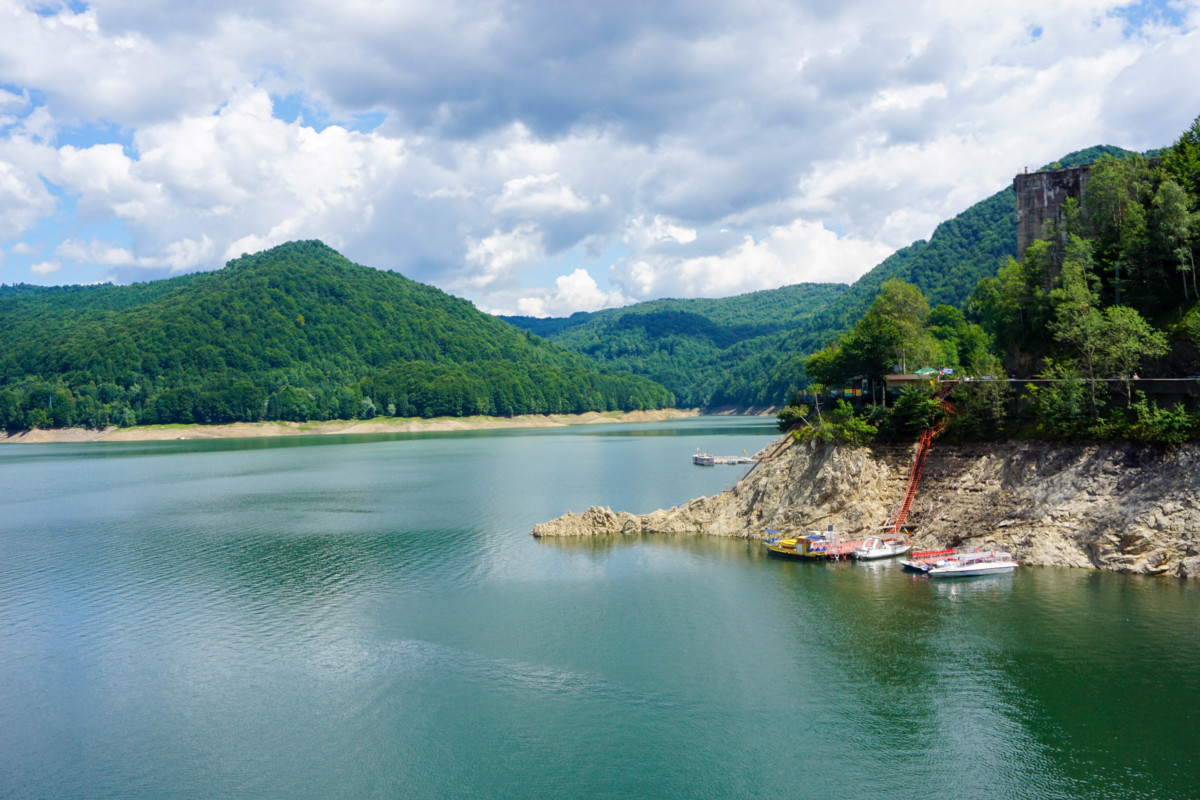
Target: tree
x=901 y=306
x=1015 y=306
x=1128 y=342
x=1175 y=228
x=1083 y=330
x=982 y=409
x=1078 y=323
x=1182 y=160
x=1115 y=213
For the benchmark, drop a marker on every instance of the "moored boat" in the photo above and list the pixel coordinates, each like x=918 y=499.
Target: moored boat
x=704 y=459
x=962 y=565
x=812 y=545
x=921 y=562
x=879 y=547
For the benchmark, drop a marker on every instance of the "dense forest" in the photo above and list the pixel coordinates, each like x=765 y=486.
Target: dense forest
x=300 y=333
x=294 y=333
x=1096 y=310
x=750 y=350
x=704 y=351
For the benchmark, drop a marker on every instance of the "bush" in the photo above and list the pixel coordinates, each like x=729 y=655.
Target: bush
x=841 y=425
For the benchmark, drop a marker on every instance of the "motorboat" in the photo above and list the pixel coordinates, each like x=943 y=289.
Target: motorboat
x=881 y=547
x=961 y=565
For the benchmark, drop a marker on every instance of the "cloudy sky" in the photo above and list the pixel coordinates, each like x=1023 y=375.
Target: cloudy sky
x=542 y=157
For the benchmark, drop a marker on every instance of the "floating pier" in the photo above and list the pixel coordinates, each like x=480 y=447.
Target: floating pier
x=709 y=460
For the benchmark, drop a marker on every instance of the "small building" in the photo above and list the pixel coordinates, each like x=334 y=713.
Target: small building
x=903 y=379
x=924 y=377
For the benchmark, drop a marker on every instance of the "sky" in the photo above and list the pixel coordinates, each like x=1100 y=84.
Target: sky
x=539 y=157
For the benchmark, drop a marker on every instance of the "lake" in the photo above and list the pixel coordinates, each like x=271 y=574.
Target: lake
x=367 y=616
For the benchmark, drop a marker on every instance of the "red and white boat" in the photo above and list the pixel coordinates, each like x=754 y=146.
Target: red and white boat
x=952 y=564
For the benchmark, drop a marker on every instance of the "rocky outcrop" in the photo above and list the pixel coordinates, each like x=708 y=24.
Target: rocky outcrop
x=1128 y=508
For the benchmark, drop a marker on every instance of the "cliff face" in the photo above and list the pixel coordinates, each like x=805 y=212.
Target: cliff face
x=1128 y=508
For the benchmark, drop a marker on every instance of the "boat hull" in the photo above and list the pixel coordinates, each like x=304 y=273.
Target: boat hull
x=960 y=565
x=813 y=547
x=880 y=548
x=782 y=550
x=971 y=571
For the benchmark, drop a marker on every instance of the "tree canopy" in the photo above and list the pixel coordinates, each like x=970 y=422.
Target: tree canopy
x=293 y=333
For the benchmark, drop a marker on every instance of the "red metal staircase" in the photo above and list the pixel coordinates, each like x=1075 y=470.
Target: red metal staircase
x=896 y=521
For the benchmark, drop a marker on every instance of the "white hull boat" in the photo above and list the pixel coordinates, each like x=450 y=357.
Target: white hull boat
x=882 y=548
x=965 y=565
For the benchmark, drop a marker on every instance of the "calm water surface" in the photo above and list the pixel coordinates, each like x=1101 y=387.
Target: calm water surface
x=368 y=617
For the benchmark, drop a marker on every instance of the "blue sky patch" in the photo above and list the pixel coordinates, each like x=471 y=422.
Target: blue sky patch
x=1143 y=12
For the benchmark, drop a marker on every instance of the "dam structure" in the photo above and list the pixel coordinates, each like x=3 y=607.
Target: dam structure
x=1040 y=198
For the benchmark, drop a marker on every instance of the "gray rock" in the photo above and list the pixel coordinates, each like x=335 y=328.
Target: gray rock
x=1121 y=507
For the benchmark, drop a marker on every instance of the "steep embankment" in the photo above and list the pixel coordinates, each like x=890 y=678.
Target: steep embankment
x=1127 y=508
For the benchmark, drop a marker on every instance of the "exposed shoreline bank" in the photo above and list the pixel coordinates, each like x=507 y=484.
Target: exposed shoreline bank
x=246 y=430
x=1118 y=507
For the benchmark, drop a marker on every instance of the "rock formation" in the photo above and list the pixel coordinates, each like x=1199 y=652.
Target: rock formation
x=1121 y=507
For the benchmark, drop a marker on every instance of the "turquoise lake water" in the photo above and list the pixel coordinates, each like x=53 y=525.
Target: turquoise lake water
x=368 y=617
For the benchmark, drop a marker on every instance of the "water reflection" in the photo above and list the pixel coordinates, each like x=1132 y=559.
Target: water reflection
x=993 y=587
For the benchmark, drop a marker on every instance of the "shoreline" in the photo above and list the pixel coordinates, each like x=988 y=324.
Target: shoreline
x=248 y=430
x=1121 y=507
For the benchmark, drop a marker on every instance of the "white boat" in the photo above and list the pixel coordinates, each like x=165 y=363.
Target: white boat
x=963 y=565
x=876 y=547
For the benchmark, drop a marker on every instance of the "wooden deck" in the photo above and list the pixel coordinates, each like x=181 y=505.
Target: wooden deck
x=844 y=549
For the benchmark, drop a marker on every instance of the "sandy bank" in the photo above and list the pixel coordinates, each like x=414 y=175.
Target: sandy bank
x=241 y=430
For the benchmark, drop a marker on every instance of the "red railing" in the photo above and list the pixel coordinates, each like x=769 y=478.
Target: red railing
x=896 y=522
x=932 y=553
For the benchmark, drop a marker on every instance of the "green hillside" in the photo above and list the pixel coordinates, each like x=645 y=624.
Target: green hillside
x=1102 y=313
x=693 y=346
x=294 y=333
x=756 y=357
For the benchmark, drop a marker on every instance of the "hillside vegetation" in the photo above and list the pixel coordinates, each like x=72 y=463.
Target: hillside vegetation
x=294 y=333
x=754 y=350
x=708 y=352
x=1094 y=309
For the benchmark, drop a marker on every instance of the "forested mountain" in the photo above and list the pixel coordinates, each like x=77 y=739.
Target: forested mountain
x=704 y=350
x=299 y=332
x=1103 y=308
x=745 y=364
x=294 y=333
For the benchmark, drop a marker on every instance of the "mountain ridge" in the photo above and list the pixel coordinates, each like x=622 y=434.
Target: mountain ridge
x=764 y=370
x=293 y=333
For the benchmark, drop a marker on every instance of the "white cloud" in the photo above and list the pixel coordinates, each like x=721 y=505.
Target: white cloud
x=503 y=136
x=24 y=199
x=205 y=188
x=541 y=195
x=94 y=252
x=795 y=253
x=643 y=233
x=499 y=255
x=44 y=268
x=11 y=105
x=576 y=291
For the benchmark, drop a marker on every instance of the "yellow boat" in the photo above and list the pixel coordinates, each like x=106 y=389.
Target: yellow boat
x=813 y=544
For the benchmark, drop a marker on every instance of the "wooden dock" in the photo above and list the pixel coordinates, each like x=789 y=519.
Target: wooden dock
x=840 y=550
